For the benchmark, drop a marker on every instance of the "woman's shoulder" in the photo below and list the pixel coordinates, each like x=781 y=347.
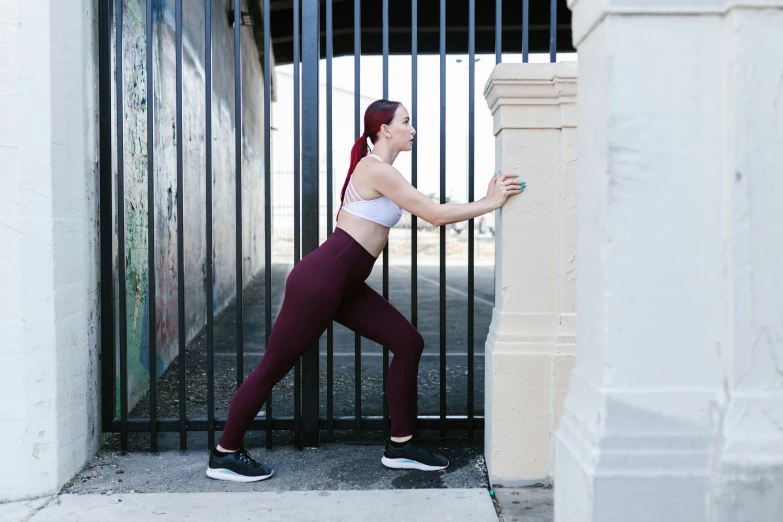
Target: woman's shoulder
x=370 y=168
x=375 y=166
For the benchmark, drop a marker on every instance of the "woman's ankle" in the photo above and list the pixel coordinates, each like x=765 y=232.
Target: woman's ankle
x=401 y=439
x=221 y=449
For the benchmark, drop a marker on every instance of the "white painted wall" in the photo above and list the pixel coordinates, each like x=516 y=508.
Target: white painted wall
x=49 y=368
x=675 y=410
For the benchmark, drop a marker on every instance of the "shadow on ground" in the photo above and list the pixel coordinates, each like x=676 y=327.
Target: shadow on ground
x=348 y=463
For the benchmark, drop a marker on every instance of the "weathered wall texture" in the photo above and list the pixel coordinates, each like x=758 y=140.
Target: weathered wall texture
x=49 y=367
x=675 y=410
x=224 y=195
x=531 y=343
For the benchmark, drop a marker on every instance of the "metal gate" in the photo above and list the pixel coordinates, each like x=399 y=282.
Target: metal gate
x=317 y=23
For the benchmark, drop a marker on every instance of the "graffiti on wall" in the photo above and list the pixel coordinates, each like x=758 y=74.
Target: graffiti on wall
x=135 y=164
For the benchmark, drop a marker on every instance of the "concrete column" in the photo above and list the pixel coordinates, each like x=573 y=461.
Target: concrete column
x=675 y=410
x=49 y=314
x=531 y=343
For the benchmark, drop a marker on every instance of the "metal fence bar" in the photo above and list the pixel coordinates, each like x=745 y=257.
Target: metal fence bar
x=121 y=259
x=181 y=337
x=471 y=197
x=329 y=216
x=150 y=31
x=297 y=214
x=425 y=422
x=310 y=92
x=202 y=424
x=357 y=81
x=385 y=47
x=287 y=423
x=267 y=198
x=385 y=248
x=525 y=30
x=443 y=228
x=553 y=31
x=238 y=185
x=414 y=171
x=498 y=31
x=210 y=427
x=108 y=356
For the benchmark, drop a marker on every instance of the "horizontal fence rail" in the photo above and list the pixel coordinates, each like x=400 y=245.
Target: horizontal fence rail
x=309 y=23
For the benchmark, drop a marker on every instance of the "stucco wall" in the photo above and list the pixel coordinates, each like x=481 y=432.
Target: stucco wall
x=194 y=133
x=49 y=368
x=675 y=410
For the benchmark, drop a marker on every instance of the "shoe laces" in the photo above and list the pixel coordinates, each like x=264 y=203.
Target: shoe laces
x=244 y=456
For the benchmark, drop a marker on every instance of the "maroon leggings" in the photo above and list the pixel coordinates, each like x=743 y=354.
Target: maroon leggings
x=329 y=285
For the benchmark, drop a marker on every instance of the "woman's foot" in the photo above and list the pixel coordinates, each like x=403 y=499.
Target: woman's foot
x=412 y=455
x=238 y=466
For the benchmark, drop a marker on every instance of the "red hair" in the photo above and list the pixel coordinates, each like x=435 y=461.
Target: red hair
x=380 y=112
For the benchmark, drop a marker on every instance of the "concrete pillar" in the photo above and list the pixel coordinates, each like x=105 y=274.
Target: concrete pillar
x=531 y=343
x=675 y=410
x=49 y=314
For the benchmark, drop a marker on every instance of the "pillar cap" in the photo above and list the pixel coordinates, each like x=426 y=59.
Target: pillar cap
x=520 y=83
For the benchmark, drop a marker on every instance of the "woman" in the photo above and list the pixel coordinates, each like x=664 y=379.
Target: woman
x=329 y=285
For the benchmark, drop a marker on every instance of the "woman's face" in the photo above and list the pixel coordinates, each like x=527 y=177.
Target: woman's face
x=400 y=132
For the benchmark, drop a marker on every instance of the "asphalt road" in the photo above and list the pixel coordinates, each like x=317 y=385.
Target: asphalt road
x=344 y=345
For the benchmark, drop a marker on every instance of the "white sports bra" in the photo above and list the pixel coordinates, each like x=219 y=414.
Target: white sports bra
x=380 y=210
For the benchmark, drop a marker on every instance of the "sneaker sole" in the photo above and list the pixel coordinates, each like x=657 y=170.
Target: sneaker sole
x=409 y=464
x=227 y=474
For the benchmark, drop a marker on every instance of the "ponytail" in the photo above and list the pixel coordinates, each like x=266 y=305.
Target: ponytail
x=358 y=151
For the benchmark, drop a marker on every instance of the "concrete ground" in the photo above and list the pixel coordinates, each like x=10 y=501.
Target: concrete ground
x=353 y=463
x=530 y=504
x=293 y=506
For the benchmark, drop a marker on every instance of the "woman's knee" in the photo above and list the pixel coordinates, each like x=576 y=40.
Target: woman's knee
x=412 y=342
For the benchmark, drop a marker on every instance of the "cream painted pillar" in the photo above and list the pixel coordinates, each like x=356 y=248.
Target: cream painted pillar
x=675 y=409
x=531 y=343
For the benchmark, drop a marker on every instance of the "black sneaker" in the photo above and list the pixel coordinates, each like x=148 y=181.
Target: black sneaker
x=412 y=456
x=236 y=467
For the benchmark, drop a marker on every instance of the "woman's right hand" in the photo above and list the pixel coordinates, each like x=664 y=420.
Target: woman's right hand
x=501 y=186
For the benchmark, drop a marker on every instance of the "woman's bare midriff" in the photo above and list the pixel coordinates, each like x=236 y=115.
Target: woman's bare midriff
x=372 y=236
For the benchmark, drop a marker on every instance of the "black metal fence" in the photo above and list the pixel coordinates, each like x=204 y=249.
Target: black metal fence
x=307 y=420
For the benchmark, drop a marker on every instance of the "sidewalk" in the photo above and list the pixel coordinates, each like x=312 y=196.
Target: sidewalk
x=339 y=481
x=472 y=505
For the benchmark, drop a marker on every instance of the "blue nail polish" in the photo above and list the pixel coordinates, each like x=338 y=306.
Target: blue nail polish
x=516 y=175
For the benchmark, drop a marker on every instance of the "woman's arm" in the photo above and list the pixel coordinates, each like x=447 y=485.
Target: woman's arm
x=388 y=181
